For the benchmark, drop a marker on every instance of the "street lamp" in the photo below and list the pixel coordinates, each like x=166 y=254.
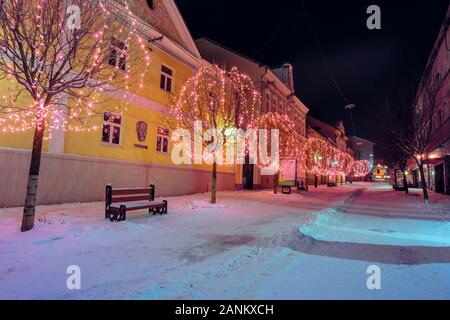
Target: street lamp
x=350 y=107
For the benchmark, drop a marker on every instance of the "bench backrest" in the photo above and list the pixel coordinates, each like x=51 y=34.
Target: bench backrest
x=122 y=195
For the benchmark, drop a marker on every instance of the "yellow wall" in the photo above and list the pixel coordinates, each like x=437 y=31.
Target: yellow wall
x=22 y=139
x=90 y=143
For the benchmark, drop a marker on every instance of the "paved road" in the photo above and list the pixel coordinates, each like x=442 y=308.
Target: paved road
x=248 y=246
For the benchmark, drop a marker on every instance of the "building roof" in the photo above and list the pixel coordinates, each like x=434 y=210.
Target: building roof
x=285 y=74
x=167 y=19
x=324 y=129
x=359 y=139
x=227 y=58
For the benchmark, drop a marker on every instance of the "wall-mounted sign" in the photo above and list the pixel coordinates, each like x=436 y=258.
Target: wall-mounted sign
x=287 y=176
x=141 y=130
x=140 y=146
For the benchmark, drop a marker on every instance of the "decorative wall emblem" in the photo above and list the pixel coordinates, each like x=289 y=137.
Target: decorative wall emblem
x=141 y=130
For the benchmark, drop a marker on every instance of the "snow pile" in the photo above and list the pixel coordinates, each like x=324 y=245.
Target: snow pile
x=331 y=225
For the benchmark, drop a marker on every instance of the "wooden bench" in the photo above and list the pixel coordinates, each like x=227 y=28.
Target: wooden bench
x=120 y=200
x=332 y=184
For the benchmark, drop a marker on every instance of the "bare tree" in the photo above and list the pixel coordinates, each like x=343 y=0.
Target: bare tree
x=59 y=57
x=218 y=100
x=407 y=120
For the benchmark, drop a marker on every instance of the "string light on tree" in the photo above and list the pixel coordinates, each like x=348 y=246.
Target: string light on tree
x=60 y=78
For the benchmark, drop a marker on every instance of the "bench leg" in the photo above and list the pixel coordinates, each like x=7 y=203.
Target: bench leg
x=123 y=213
x=164 y=209
x=113 y=214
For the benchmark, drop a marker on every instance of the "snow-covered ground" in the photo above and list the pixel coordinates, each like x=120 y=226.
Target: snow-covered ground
x=251 y=245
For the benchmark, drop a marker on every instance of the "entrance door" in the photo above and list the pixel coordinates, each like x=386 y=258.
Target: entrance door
x=448 y=179
x=247 y=174
x=439 y=178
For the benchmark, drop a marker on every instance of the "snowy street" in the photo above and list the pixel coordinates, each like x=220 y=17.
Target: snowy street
x=251 y=245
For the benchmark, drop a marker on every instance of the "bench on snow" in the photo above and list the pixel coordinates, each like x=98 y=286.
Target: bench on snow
x=119 y=201
x=332 y=184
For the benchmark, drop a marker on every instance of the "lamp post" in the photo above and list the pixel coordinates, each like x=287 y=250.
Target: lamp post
x=350 y=107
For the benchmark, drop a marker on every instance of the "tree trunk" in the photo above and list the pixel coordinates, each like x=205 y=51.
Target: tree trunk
x=315 y=181
x=30 y=200
x=424 y=182
x=275 y=183
x=306 y=179
x=405 y=181
x=214 y=183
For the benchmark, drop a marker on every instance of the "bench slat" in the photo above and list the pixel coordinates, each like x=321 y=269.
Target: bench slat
x=130 y=199
x=131 y=191
x=140 y=205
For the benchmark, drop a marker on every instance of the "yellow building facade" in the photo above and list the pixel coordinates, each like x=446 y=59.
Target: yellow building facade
x=131 y=151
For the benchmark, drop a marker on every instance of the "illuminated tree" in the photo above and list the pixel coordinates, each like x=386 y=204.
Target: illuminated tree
x=346 y=164
x=218 y=101
x=291 y=143
x=361 y=168
x=324 y=159
x=318 y=157
x=60 y=58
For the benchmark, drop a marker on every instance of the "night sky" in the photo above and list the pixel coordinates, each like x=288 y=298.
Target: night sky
x=366 y=63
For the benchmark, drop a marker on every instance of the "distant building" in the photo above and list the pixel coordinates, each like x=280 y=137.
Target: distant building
x=362 y=149
x=435 y=76
x=333 y=135
x=276 y=86
x=380 y=172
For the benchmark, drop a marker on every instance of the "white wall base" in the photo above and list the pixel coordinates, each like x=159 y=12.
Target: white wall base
x=68 y=178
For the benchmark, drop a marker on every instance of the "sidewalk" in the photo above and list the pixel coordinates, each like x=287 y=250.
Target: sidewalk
x=248 y=246
x=383 y=201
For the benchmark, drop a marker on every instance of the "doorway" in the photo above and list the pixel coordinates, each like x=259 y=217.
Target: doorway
x=247 y=174
x=448 y=179
x=439 y=178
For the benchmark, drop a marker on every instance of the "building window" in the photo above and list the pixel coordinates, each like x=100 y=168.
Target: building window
x=162 y=142
x=150 y=4
x=445 y=113
x=274 y=105
x=267 y=103
x=166 y=79
x=112 y=127
x=281 y=106
x=437 y=82
x=118 y=54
